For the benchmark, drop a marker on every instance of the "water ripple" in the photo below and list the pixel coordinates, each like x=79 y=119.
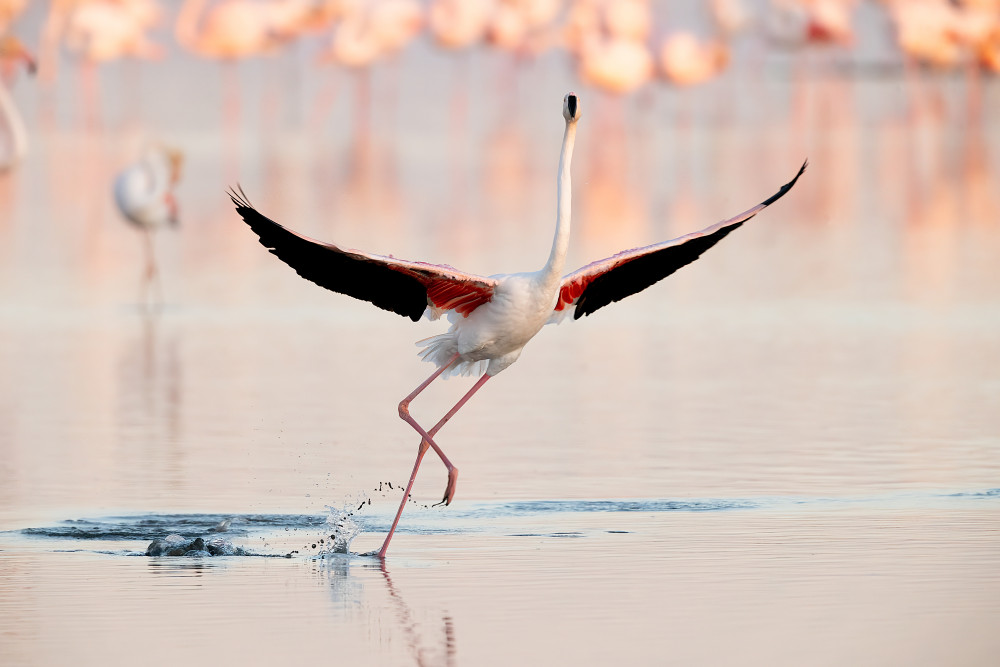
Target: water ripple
x=155 y=526
x=638 y=505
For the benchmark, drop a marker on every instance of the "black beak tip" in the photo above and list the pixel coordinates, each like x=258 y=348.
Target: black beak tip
x=571 y=105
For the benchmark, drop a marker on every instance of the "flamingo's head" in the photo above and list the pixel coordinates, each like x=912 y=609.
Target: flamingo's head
x=175 y=158
x=166 y=158
x=11 y=48
x=571 y=108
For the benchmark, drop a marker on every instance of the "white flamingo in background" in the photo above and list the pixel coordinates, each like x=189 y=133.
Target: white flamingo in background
x=144 y=193
x=492 y=318
x=13 y=135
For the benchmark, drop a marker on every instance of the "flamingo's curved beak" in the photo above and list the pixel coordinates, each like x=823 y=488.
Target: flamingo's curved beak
x=571 y=108
x=176 y=158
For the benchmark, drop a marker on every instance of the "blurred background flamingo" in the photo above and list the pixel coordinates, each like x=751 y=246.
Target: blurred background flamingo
x=144 y=194
x=13 y=134
x=610 y=42
x=10 y=10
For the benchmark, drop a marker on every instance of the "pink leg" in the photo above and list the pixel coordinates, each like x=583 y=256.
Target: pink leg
x=428 y=441
x=406 y=494
x=151 y=276
x=404 y=413
x=453 y=471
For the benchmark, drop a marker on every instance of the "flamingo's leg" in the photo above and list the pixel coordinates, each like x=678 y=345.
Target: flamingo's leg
x=449 y=492
x=406 y=494
x=427 y=441
x=150 y=276
x=404 y=413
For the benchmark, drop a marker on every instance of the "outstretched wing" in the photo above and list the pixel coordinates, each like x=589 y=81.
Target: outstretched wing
x=405 y=288
x=612 y=279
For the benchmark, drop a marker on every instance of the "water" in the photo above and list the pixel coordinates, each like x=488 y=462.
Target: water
x=787 y=453
x=626 y=580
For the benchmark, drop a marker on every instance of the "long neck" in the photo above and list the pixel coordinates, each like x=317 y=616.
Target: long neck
x=10 y=117
x=564 y=189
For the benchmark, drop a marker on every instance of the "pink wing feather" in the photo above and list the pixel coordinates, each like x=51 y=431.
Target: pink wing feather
x=614 y=278
x=397 y=285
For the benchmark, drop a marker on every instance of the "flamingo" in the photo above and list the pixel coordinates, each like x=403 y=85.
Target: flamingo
x=793 y=23
x=368 y=32
x=9 y=10
x=11 y=121
x=144 y=193
x=687 y=61
x=103 y=30
x=609 y=40
x=458 y=24
x=230 y=30
x=523 y=27
x=731 y=17
x=927 y=32
x=492 y=318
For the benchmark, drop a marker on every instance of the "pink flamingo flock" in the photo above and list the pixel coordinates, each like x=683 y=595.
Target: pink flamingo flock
x=615 y=45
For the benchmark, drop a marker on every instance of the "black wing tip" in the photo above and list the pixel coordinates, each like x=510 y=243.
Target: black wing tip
x=259 y=223
x=786 y=187
x=239 y=198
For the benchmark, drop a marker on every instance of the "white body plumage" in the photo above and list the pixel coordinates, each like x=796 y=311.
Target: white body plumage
x=522 y=303
x=492 y=336
x=13 y=125
x=143 y=191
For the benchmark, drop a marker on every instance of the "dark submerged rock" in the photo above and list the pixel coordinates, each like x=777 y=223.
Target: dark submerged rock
x=168 y=546
x=176 y=545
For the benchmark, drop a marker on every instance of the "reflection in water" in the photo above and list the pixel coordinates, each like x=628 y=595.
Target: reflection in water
x=843 y=347
x=446 y=634
x=150 y=397
x=181 y=567
x=354 y=592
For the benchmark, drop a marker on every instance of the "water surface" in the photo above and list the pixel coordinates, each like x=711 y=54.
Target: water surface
x=787 y=453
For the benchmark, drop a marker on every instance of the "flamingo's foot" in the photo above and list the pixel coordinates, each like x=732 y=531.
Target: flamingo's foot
x=449 y=492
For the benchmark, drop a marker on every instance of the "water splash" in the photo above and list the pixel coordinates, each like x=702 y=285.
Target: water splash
x=334 y=531
x=343 y=529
